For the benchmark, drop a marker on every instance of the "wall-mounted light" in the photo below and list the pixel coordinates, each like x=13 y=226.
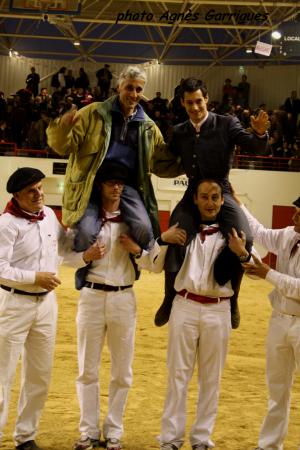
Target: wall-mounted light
x=76 y=43
x=248 y=50
x=276 y=34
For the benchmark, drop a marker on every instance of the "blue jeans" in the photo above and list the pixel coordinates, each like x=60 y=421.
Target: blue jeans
x=133 y=212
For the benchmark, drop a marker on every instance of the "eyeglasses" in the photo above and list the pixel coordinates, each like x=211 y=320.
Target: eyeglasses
x=112 y=183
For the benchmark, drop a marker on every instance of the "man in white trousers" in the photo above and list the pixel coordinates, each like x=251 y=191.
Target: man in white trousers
x=200 y=322
x=106 y=308
x=283 y=340
x=29 y=234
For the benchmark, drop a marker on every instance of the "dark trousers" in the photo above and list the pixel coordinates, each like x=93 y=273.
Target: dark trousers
x=134 y=214
x=188 y=217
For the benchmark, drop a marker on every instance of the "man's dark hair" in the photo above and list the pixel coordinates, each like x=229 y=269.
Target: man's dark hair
x=208 y=180
x=192 y=85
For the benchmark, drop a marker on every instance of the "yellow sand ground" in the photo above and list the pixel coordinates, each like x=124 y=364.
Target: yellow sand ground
x=243 y=397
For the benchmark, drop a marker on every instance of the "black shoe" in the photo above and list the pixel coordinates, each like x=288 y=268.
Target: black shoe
x=163 y=314
x=28 y=445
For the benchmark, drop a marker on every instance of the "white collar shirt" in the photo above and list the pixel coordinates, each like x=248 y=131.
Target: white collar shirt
x=196 y=274
x=28 y=247
x=198 y=126
x=115 y=268
x=285 y=298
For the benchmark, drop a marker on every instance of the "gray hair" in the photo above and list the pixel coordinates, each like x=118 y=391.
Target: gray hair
x=133 y=73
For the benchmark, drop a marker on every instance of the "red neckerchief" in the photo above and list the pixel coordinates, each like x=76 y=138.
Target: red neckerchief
x=207 y=231
x=105 y=219
x=13 y=208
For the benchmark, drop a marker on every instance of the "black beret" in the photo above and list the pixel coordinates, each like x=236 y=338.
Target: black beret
x=22 y=178
x=297 y=202
x=112 y=170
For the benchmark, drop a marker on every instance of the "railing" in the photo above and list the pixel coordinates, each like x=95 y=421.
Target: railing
x=251 y=162
x=10 y=149
x=254 y=162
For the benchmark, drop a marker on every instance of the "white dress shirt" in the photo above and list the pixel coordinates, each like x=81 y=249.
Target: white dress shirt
x=28 y=247
x=285 y=298
x=115 y=268
x=196 y=274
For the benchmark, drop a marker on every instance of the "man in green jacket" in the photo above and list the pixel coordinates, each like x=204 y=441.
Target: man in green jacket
x=116 y=130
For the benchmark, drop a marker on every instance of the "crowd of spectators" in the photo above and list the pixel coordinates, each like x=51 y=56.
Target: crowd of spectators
x=24 y=116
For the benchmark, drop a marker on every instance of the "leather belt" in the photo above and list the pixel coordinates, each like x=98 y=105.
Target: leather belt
x=201 y=298
x=18 y=291
x=105 y=287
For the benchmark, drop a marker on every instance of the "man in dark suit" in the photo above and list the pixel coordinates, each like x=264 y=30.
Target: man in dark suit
x=203 y=147
x=32 y=82
x=104 y=77
x=292 y=105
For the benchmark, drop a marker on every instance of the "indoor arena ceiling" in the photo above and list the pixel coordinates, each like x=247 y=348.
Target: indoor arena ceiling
x=216 y=32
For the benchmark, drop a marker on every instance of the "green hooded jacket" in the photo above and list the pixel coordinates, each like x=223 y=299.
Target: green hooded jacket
x=86 y=142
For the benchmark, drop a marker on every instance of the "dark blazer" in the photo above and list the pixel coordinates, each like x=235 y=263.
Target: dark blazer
x=292 y=106
x=210 y=153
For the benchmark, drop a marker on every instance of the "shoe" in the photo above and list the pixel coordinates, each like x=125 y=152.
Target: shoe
x=168 y=446
x=163 y=314
x=86 y=443
x=28 y=445
x=113 y=444
x=200 y=447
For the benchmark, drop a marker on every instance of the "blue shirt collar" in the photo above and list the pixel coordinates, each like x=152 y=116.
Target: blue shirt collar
x=138 y=114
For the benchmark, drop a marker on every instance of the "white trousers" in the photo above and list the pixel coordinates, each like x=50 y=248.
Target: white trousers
x=196 y=332
x=99 y=314
x=27 y=326
x=283 y=356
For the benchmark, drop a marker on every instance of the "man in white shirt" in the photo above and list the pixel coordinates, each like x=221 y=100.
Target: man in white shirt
x=283 y=340
x=107 y=307
x=200 y=323
x=203 y=147
x=29 y=234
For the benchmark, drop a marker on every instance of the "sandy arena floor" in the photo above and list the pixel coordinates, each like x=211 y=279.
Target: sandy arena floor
x=243 y=396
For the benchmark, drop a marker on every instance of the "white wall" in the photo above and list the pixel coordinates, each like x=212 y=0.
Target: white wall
x=258 y=189
x=270 y=85
x=53 y=184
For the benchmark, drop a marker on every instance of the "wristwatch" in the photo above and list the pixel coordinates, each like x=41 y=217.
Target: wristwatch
x=243 y=258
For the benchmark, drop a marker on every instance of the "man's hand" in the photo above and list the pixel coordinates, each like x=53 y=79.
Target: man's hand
x=47 y=280
x=259 y=268
x=68 y=119
x=129 y=244
x=174 y=235
x=260 y=123
x=94 y=252
x=237 y=243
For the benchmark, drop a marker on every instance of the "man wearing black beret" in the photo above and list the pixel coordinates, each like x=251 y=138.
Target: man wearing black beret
x=29 y=234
